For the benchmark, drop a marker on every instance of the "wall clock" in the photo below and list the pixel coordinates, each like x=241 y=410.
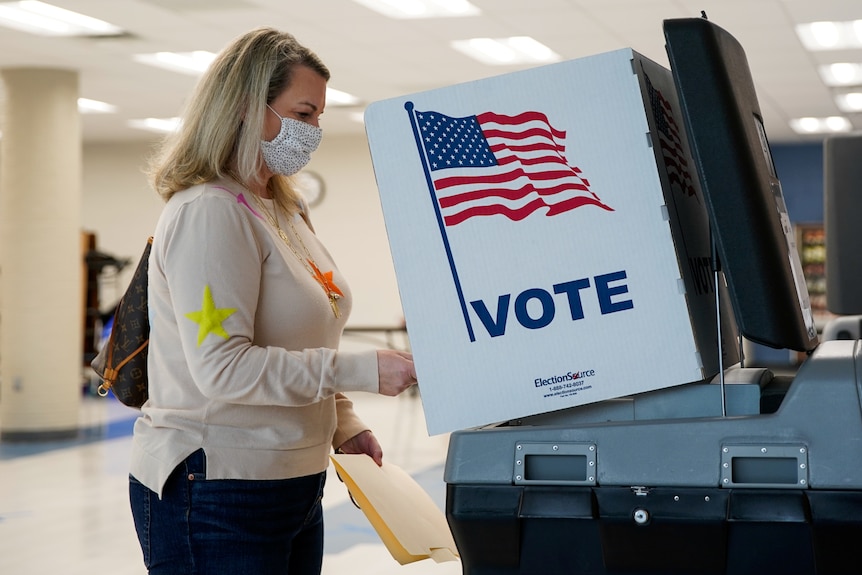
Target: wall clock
x=311 y=186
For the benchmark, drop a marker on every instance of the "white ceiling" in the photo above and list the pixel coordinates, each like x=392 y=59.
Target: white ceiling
x=375 y=58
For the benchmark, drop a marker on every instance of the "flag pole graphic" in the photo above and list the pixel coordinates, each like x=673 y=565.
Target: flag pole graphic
x=423 y=156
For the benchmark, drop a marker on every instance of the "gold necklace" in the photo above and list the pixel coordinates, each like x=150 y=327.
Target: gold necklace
x=332 y=291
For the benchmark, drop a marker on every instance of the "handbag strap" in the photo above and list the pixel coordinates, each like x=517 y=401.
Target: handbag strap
x=111 y=373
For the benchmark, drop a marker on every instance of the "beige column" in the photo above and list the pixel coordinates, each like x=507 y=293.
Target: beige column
x=41 y=327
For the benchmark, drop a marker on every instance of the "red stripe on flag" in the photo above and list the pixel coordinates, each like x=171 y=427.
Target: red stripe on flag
x=508 y=194
x=521 y=118
x=524 y=211
x=510 y=176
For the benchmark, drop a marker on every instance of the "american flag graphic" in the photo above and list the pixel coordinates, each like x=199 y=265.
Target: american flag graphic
x=669 y=140
x=492 y=164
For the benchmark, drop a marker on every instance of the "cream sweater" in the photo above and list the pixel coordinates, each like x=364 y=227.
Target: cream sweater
x=243 y=358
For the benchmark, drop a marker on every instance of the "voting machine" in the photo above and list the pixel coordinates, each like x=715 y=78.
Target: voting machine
x=751 y=471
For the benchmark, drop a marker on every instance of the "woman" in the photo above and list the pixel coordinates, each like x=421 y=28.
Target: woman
x=246 y=312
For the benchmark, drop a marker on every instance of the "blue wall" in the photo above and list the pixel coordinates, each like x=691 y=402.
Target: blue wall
x=800 y=169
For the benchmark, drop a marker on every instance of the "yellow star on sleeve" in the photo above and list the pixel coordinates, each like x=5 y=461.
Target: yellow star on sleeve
x=210 y=318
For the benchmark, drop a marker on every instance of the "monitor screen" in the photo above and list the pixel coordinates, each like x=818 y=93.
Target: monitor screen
x=754 y=237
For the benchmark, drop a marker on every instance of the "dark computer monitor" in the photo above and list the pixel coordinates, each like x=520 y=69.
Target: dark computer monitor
x=842 y=212
x=754 y=238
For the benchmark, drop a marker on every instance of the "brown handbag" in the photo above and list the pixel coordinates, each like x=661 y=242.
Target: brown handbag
x=121 y=363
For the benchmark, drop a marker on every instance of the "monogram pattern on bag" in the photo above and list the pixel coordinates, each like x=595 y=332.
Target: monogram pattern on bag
x=122 y=361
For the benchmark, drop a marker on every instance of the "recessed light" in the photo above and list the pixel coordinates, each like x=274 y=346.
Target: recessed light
x=506 y=51
x=48 y=20
x=829 y=125
x=161 y=125
x=409 y=9
x=194 y=63
x=849 y=101
x=87 y=106
x=841 y=74
x=338 y=98
x=825 y=35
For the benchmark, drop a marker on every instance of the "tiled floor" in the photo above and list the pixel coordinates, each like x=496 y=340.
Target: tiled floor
x=64 y=507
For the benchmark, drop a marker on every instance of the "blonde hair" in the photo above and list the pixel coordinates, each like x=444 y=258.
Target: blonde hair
x=222 y=125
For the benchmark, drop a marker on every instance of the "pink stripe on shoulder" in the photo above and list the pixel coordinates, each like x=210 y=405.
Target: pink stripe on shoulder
x=240 y=199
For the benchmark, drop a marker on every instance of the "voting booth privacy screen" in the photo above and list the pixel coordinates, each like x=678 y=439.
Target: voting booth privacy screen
x=550 y=239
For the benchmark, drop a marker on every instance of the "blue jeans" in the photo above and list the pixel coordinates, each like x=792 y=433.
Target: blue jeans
x=240 y=527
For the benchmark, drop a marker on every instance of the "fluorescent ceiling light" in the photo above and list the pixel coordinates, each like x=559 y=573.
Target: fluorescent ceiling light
x=87 y=106
x=338 y=98
x=161 y=125
x=41 y=18
x=816 y=36
x=829 y=125
x=194 y=63
x=841 y=74
x=505 y=51
x=406 y=9
x=849 y=102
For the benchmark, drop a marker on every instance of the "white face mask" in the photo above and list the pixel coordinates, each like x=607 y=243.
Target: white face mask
x=291 y=149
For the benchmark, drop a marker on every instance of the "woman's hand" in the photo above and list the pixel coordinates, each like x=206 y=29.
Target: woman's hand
x=395 y=370
x=366 y=443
